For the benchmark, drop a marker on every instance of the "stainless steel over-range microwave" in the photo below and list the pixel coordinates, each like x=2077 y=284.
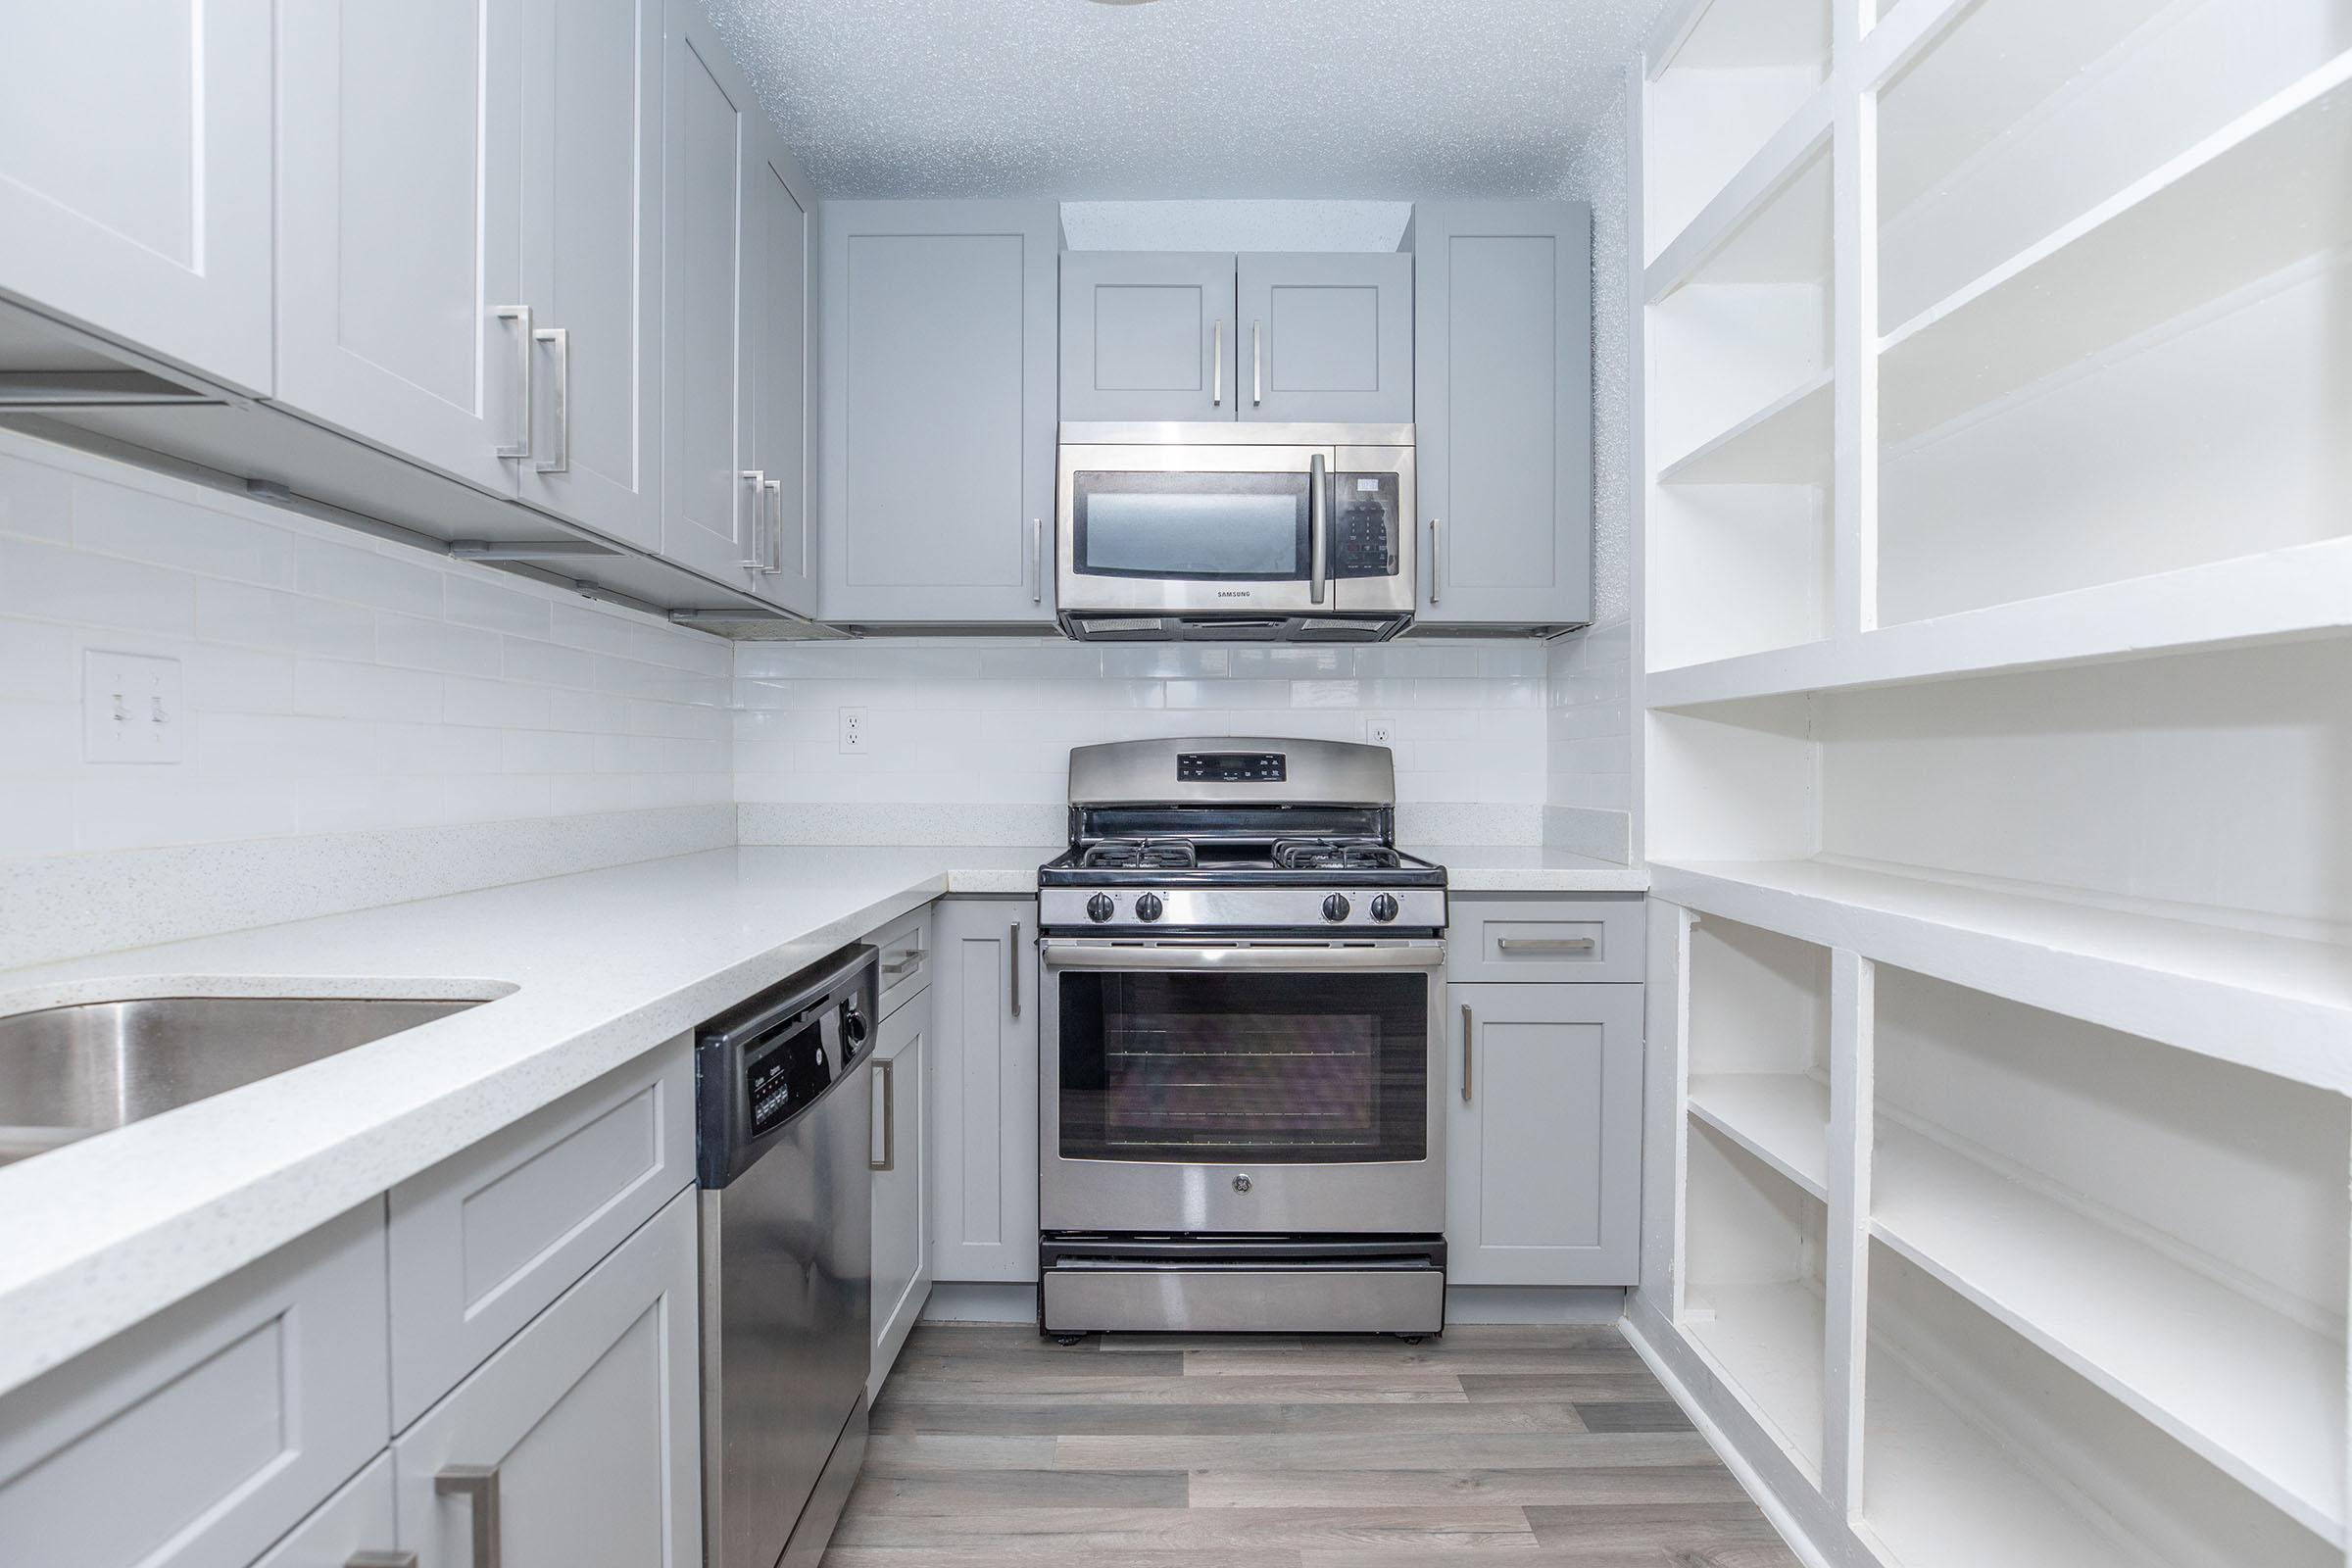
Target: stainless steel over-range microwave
x=1235 y=531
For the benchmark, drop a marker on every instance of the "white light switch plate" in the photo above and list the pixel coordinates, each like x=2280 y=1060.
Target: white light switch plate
x=130 y=708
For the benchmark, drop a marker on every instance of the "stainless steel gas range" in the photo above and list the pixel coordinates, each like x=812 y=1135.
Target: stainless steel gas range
x=1240 y=1123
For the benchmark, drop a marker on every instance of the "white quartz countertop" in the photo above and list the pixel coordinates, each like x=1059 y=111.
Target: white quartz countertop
x=586 y=972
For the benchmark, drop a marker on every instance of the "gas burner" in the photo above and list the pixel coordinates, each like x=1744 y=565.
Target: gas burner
x=1140 y=854
x=1330 y=855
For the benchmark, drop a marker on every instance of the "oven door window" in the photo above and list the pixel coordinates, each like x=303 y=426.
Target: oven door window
x=1259 y=1068
x=1190 y=528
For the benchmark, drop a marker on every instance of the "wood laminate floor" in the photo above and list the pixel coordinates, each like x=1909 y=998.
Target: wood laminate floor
x=1524 y=1447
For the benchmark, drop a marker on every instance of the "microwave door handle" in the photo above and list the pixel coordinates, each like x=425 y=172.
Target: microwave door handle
x=1318 y=528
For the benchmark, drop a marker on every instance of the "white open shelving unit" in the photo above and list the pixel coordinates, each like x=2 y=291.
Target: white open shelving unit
x=1997 y=588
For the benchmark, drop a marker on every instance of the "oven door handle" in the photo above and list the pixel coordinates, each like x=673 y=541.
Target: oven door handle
x=1393 y=956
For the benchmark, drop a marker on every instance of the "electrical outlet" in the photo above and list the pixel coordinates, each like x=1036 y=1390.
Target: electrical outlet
x=1380 y=731
x=853 y=730
x=130 y=708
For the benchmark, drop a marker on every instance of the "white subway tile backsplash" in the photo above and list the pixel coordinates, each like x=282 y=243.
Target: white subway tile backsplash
x=50 y=582
x=424 y=644
x=469 y=601
x=365 y=691
x=36 y=501
x=35 y=659
x=118 y=519
x=239 y=612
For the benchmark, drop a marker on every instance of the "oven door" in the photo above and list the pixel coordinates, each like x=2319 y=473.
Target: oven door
x=1287 y=1087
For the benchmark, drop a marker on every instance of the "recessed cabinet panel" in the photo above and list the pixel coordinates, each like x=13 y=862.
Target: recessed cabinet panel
x=591 y=262
x=902 y=1240
x=1147 y=336
x=357 y=1519
x=776 y=374
x=985 y=1003
x=134 y=174
x=706 y=506
x=1503 y=413
x=1326 y=336
x=937 y=418
x=205 y=1433
x=398 y=224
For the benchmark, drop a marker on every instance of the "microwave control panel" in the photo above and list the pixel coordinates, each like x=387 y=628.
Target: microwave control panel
x=1365 y=525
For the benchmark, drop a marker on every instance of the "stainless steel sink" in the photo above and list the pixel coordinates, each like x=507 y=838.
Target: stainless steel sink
x=68 y=1073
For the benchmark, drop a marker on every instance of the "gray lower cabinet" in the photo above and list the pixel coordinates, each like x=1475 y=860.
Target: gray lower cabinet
x=936 y=332
x=1147 y=336
x=197 y=1437
x=134 y=176
x=1502 y=346
x=983 y=1090
x=1544 y=1134
x=902 y=1247
x=356 y=1521
x=1327 y=336
x=578 y=1443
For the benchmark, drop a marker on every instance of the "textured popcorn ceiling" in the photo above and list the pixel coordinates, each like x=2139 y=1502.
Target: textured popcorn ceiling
x=1186 y=98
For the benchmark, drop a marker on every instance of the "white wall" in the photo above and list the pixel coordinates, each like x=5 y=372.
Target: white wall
x=969 y=741
x=332 y=688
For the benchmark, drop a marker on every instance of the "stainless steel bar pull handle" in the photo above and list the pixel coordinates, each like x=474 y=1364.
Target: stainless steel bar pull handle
x=1216 y=364
x=888 y=1072
x=478 y=1485
x=1433 y=553
x=1466 y=1034
x=1318 y=528
x=906 y=960
x=1012 y=967
x=559 y=338
x=523 y=336
x=1258 y=364
x=380 y=1559
x=755 y=557
x=771 y=495
x=1544 y=943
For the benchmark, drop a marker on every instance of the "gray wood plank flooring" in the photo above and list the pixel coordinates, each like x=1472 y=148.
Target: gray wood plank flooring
x=1524 y=1447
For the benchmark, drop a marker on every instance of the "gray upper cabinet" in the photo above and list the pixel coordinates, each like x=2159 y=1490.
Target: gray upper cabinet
x=1503 y=412
x=710 y=495
x=935 y=411
x=134 y=176
x=591 y=262
x=1147 y=335
x=775 y=381
x=1326 y=336
x=400 y=311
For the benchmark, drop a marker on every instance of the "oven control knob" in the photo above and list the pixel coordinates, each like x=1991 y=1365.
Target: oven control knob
x=1335 y=907
x=1100 y=907
x=1383 y=907
x=852 y=1024
x=1147 y=906
x=1241 y=1184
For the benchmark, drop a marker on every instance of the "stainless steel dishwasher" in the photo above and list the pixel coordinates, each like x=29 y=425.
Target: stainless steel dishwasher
x=783 y=1106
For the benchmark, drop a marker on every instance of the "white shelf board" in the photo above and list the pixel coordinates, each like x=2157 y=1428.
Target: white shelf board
x=2275 y=1003
x=2256 y=196
x=2254 y=1392
x=1938 y=1493
x=1783 y=1118
x=1788 y=441
x=2301 y=591
x=1787 y=157
x=1765 y=1341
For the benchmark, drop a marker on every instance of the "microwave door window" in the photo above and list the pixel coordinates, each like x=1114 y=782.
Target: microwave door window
x=1243 y=527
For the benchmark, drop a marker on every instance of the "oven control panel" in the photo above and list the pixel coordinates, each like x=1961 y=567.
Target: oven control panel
x=1231 y=767
x=1244 y=908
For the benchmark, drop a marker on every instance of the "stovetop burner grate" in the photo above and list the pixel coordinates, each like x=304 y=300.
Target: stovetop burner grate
x=1331 y=854
x=1140 y=854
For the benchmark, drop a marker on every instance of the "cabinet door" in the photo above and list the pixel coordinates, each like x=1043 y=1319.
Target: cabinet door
x=1503 y=417
x=775 y=378
x=1147 y=335
x=936 y=419
x=708 y=504
x=582 y=1436
x=134 y=174
x=1543 y=1157
x=205 y=1433
x=1326 y=336
x=592 y=261
x=984 y=1006
x=357 y=1519
x=398 y=224
x=901 y=1242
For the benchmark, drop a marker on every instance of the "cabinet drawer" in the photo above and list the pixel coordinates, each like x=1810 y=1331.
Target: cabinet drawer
x=1594 y=938
x=484 y=1239
x=905 y=948
x=201 y=1436
x=358 y=1519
